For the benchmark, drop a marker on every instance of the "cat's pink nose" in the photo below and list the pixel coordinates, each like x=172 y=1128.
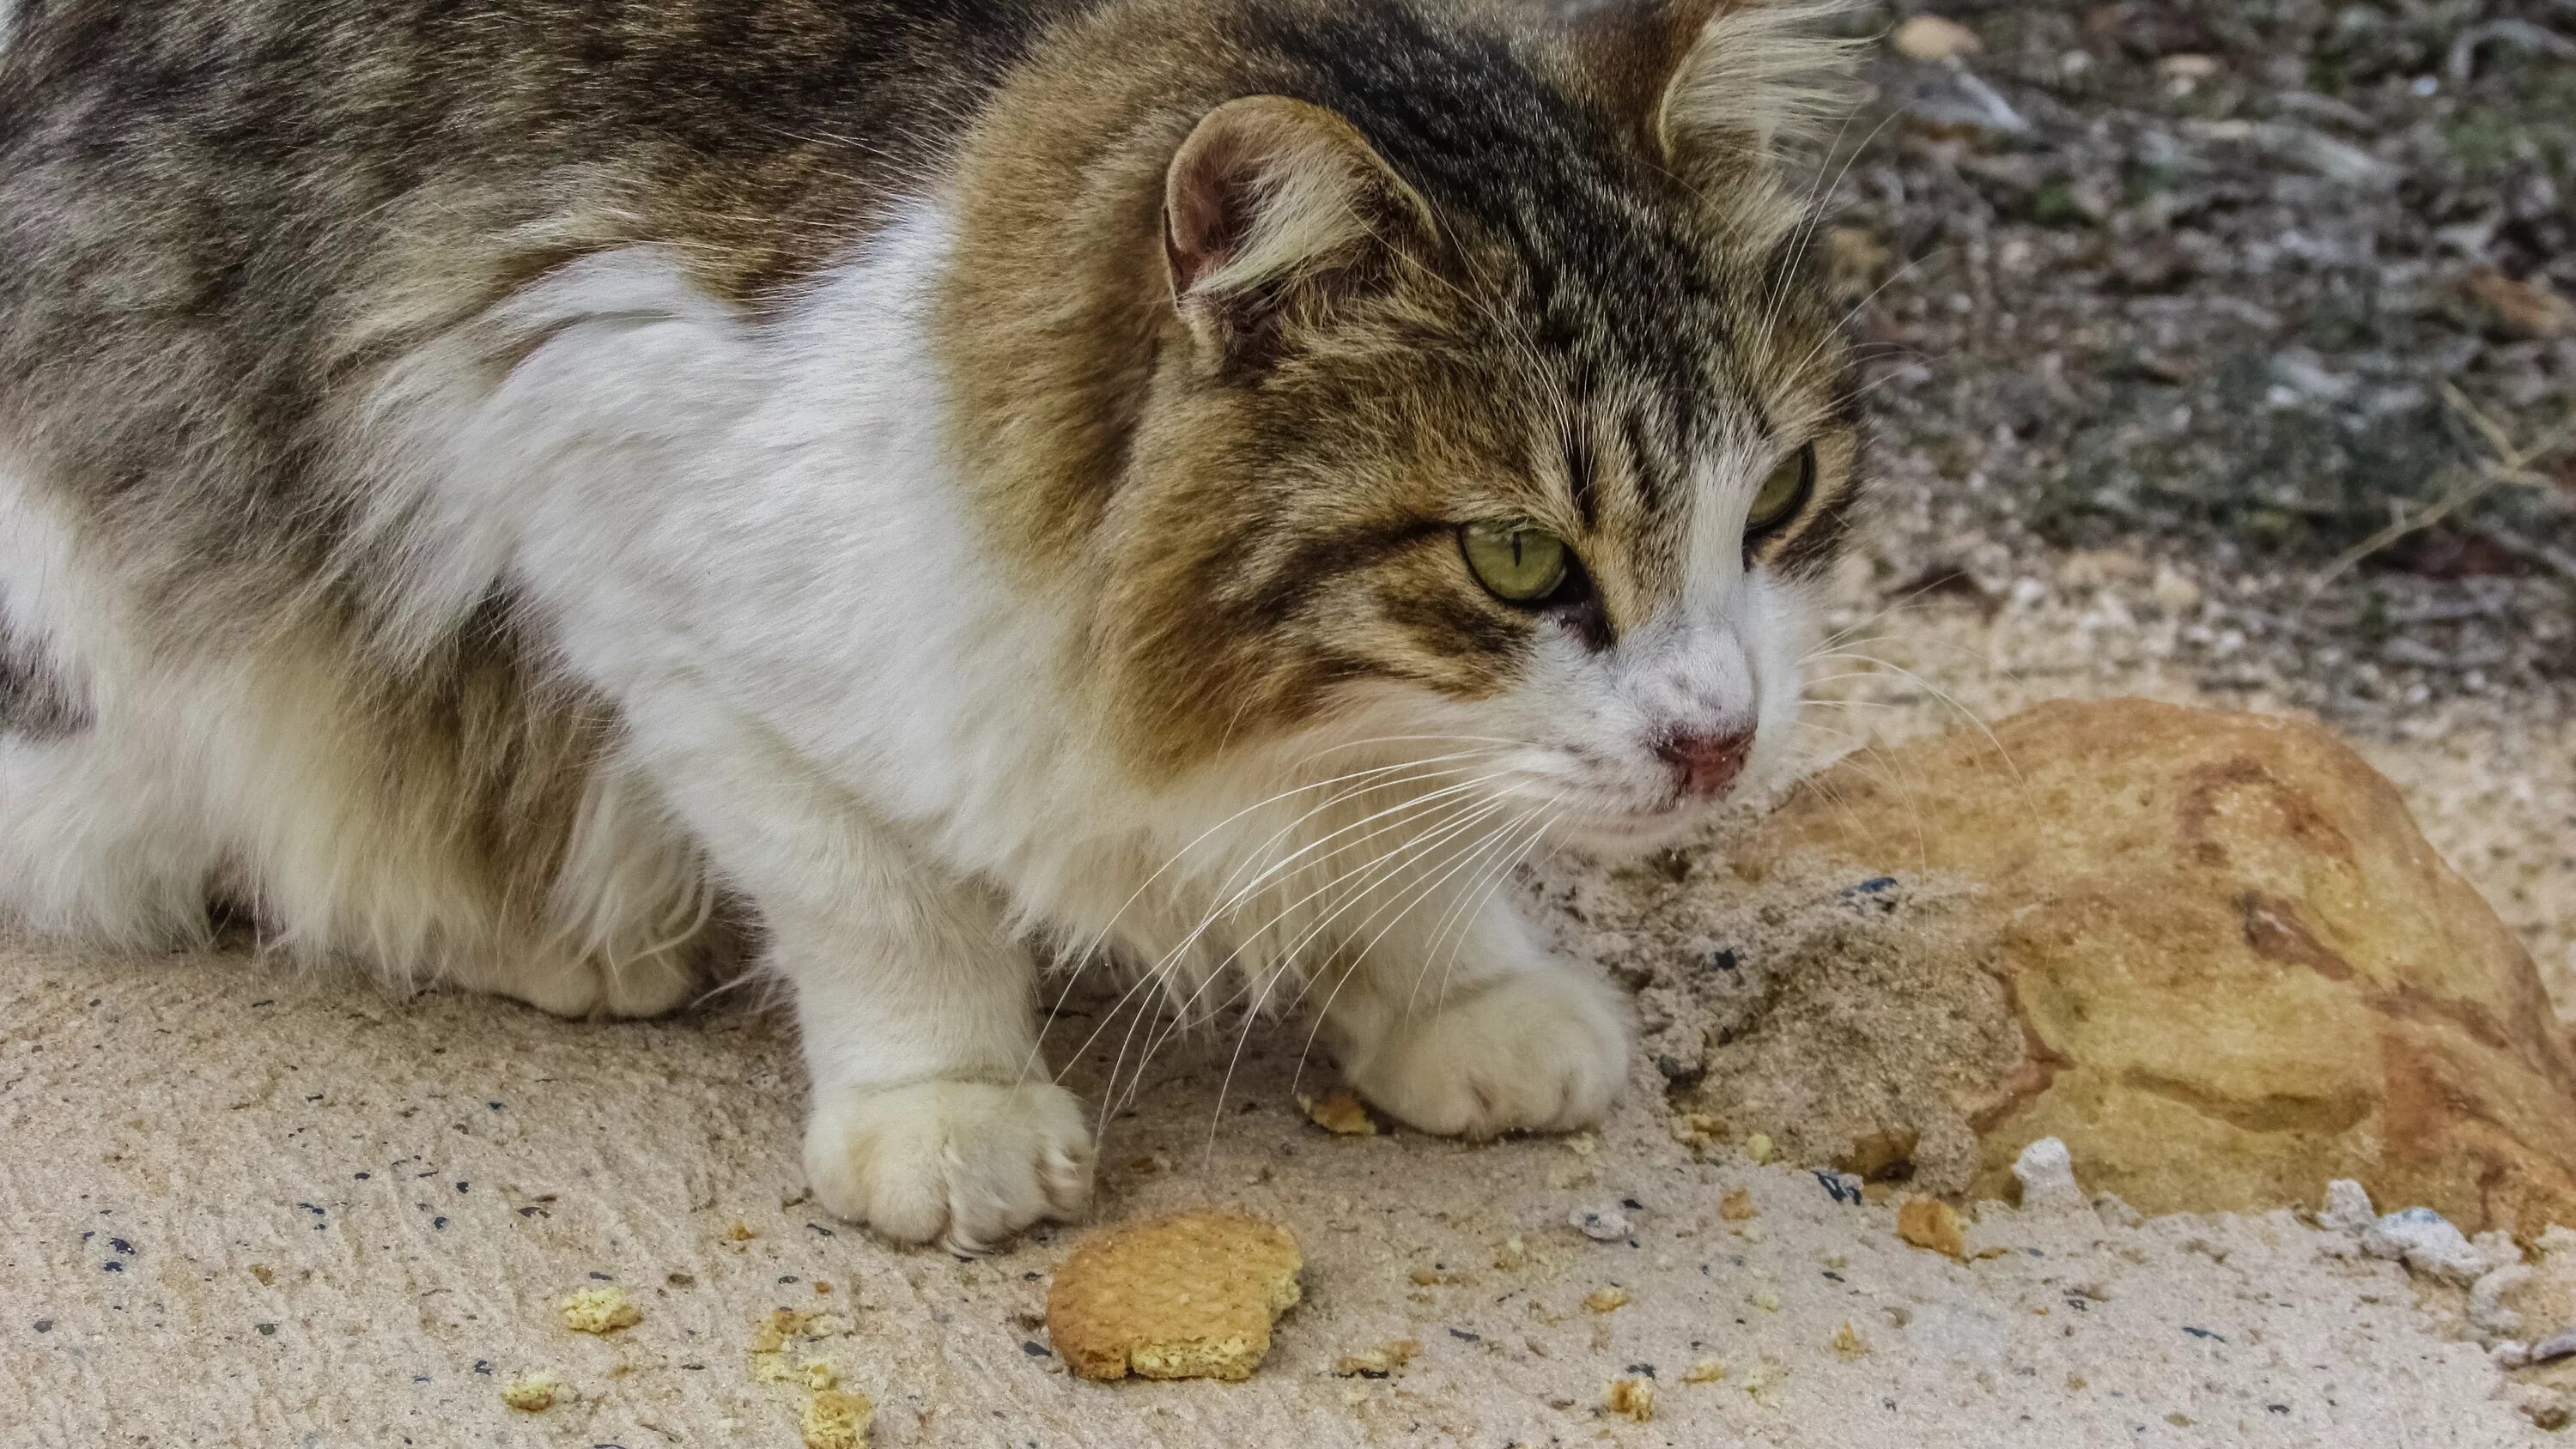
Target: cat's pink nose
x=1705 y=764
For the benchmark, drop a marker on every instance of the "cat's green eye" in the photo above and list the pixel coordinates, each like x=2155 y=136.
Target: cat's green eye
x=1784 y=492
x=1519 y=563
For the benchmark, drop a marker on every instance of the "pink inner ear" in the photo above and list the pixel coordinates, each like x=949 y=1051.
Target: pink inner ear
x=1208 y=207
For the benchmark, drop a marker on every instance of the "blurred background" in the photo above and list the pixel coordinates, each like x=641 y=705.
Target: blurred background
x=2225 y=350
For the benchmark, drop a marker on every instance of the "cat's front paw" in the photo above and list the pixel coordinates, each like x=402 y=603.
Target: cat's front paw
x=963 y=1164
x=1541 y=1052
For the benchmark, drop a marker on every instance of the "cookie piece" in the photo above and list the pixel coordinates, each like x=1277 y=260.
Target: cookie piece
x=1188 y=1296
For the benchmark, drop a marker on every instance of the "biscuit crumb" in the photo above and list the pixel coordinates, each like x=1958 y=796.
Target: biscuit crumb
x=1847 y=1342
x=1606 y=1300
x=1736 y=1206
x=770 y=1335
x=822 y=1373
x=1631 y=1399
x=1378 y=1362
x=740 y=1232
x=837 y=1419
x=533 y=1393
x=1187 y=1296
x=261 y=1272
x=1698 y=1129
x=1928 y=1222
x=1706 y=1371
x=604 y=1309
x=1340 y=1112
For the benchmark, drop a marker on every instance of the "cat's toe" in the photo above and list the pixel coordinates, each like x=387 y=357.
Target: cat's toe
x=1543 y=1052
x=962 y=1164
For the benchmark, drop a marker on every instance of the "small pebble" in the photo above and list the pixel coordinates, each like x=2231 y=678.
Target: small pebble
x=2347 y=1208
x=1930 y=37
x=1601 y=1225
x=2046 y=1172
x=2426 y=1242
x=2556 y=1346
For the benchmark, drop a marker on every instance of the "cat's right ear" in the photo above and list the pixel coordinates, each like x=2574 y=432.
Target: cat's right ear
x=1273 y=210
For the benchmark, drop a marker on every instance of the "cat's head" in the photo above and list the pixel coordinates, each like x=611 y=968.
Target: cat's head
x=1496 y=412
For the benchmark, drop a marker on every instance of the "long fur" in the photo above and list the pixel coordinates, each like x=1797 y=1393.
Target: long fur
x=792 y=475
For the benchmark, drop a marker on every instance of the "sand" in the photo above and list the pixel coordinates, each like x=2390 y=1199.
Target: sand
x=249 y=1206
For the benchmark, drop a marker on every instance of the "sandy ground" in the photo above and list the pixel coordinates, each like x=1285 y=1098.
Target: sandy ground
x=244 y=1205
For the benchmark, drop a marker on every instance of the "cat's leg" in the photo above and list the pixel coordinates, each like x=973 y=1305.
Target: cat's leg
x=1460 y=1022
x=933 y=1117
x=102 y=841
x=103 y=829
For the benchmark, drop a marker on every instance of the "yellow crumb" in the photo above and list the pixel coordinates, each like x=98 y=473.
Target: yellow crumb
x=1605 y=1300
x=1631 y=1399
x=1736 y=1206
x=600 y=1310
x=1848 y=1343
x=1706 y=1371
x=1758 y=1147
x=822 y=1373
x=1340 y=1112
x=532 y=1393
x=837 y=1419
x=1696 y=1128
x=1928 y=1222
x=1767 y=1299
x=770 y=1334
x=740 y=1232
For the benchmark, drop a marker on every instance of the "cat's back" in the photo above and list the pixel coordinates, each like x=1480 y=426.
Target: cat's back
x=220 y=218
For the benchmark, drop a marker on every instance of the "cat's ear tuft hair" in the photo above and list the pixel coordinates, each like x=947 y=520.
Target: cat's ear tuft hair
x=1734 y=78
x=1268 y=204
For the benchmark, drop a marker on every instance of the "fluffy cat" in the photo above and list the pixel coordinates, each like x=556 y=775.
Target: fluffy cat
x=526 y=492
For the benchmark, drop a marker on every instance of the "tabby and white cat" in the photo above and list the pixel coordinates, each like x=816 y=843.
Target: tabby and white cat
x=511 y=490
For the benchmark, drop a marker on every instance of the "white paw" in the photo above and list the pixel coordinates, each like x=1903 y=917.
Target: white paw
x=1542 y=1052
x=965 y=1164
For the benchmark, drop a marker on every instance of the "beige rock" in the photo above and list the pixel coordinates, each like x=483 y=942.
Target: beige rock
x=2236 y=968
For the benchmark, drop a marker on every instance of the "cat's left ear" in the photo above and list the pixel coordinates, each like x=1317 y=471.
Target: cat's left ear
x=1719 y=81
x=1272 y=210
